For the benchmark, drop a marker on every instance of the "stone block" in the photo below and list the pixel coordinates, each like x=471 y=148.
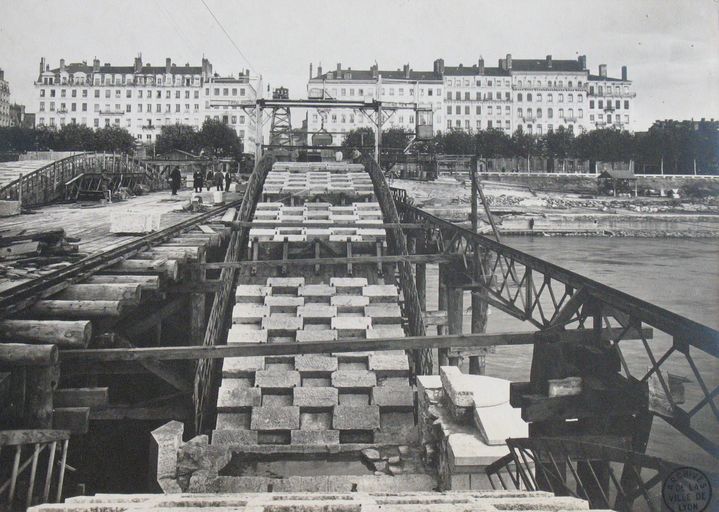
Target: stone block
x=239 y=334
x=349 y=303
x=384 y=313
x=316 y=420
x=317 y=292
x=372 y=234
x=262 y=234
x=315 y=437
x=317 y=234
x=315 y=363
x=305 y=335
x=385 y=331
x=355 y=418
x=279 y=325
x=249 y=313
x=499 y=422
x=458 y=389
x=233 y=420
x=242 y=366
x=285 y=282
x=10 y=208
x=380 y=292
x=234 y=437
x=314 y=397
x=354 y=399
x=234 y=395
x=469 y=450
x=273 y=379
x=250 y=293
x=389 y=364
x=429 y=388
x=353 y=379
x=275 y=418
x=393 y=397
x=317 y=312
x=349 y=285
x=283 y=303
x=125 y=221
x=351 y=326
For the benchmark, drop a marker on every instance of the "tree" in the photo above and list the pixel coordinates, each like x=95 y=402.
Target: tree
x=493 y=143
x=456 y=142
x=219 y=139
x=523 y=144
x=74 y=137
x=359 y=138
x=113 y=139
x=558 y=143
x=178 y=136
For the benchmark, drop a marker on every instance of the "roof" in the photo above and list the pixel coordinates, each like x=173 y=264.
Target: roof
x=618 y=174
x=543 y=65
x=598 y=78
x=473 y=71
x=129 y=70
x=366 y=74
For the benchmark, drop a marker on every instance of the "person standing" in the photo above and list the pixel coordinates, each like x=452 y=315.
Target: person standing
x=219 y=180
x=228 y=180
x=209 y=179
x=175 y=180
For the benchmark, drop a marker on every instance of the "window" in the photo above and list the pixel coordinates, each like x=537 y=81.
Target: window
x=42 y=106
x=74 y=93
x=591 y=89
x=550 y=97
x=217 y=91
x=539 y=97
x=457 y=95
x=466 y=110
x=570 y=98
x=550 y=113
x=580 y=98
x=561 y=113
x=139 y=107
x=96 y=122
x=63 y=92
x=96 y=107
x=601 y=103
x=591 y=117
x=617 y=104
x=539 y=113
x=600 y=90
x=529 y=96
x=449 y=109
x=197 y=94
x=626 y=104
x=449 y=95
x=626 y=118
x=449 y=124
x=466 y=95
x=401 y=91
x=581 y=113
x=591 y=103
x=479 y=109
x=42 y=93
x=561 y=98
x=466 y=124
x=73 y=107
x=52 y=94
x=519 y=112
x=519 y=97
x=107 y=93
x=458 y=110
x=479 y=124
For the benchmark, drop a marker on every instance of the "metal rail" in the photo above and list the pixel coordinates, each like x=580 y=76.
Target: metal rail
x=553 y=298
x=19 y=297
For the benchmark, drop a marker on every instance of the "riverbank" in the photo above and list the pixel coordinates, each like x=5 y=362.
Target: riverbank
x=520 y=210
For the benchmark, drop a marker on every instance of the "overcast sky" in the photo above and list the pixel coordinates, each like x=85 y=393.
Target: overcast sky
x=670 y=47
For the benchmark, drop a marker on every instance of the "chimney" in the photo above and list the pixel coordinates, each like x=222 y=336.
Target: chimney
x=95 y=65
x=439 y=67
x=138 y=63
x=319 y=69
x=509 y=61
x=406 y=70
x=62 y=65
x=481 y=65
x=549 y=62
x=168 y=65
x=2 y=74
x=502 y=64
x=624 y=73
x=375 y=71
x=603 y=70
x=582 y=61
x=42 y=64
x=339 y=66
x=310 y=71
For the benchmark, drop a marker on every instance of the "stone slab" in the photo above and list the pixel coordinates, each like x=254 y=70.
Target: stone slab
x=458 y=389
x=314 y=363
x=351 y=323
x=234 y=437
x=317 y=290
x=385 y=331
x=384 y=313
x=234 y=395
x=429 y=387
x=275 y=379
x=249 y=313
x=499 y=422
x=346 y=417
x=469 y=450
x=349 y=302
x=285 y=282
x=315 y=437
x=316 y=311
x=275 y=418
x=242 y=366
x=380 y=292
x=251 y=293
x=314 y=397
x=388 y=364
x=353 y=379
x=283 y=301
x=282 y=323
x=393 y=396
x=344 y=283
x=316 y=335
x=233 y=420
x=237 y=334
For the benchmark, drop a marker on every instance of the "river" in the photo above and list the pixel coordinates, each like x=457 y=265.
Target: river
x=681 y=275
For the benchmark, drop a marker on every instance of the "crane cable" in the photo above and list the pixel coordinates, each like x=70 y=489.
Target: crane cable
x=228 y=36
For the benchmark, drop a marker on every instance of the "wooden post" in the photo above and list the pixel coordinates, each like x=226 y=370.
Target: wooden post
x=197 y=307
x=455 y=314
x=442 y=306
x=41 y=382
x=479 y=306
x=421 y=279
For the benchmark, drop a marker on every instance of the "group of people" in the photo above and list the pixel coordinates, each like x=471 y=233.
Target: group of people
x=220 y=180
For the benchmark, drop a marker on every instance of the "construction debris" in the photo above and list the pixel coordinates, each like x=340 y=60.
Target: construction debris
x=28 y=254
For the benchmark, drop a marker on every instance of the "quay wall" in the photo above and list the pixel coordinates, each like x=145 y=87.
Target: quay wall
x=587 y=183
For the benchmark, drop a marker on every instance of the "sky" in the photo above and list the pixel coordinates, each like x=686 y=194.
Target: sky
x=671 y=47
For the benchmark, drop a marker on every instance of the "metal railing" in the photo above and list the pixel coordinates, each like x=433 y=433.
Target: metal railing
x=553 y=298
x=28 y=457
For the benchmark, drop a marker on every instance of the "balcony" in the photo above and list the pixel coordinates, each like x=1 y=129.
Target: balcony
x=529 y=119
x=111 y=112
x=570 y=119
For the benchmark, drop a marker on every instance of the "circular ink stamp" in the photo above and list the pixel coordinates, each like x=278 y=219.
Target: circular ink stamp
x=687 y=490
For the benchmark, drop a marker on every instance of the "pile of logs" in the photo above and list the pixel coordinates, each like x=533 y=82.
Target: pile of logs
x=28 y=254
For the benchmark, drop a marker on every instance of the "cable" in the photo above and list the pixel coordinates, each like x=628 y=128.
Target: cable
x=228 y=36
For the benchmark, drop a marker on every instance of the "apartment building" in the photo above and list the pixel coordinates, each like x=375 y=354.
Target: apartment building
x=4 y=100
x=536 y=95
x=142 y=98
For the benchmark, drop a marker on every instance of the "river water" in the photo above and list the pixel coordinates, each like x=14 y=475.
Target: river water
x=681 y=275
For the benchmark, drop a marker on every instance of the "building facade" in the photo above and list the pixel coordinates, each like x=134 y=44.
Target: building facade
x=4 y=100
x=535 y=95
x=143 y=98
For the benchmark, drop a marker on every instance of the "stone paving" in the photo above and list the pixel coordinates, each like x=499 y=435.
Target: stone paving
x=321 y=399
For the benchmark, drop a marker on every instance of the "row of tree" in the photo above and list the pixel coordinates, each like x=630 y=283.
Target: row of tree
x=677 y=145
x=214 y=139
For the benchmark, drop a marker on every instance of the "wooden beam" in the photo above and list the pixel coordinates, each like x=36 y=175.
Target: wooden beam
x=81 y=397
x=138 y=326
x=163 y=412
x=20 y=354
x=74 y=419
x=79 y=309
x=318 y=347
x=208 y=286
x=340 y=260
x=162 y=370
x=21 y=437
x=104 y=291
x=146 y=282
x=66 y=334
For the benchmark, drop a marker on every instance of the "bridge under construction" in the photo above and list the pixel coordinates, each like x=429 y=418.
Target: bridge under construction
x=283 y=346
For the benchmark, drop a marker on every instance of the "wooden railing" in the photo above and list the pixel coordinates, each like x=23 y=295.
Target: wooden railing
x=554 y=299
x=27 y=459
x=46 y=184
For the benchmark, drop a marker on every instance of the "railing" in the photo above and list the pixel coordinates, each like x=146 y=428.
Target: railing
x=606 y=475
x=46 y=184
x=26 y=458
x=553 y=298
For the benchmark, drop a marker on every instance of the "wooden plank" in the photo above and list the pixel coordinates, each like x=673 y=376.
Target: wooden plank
x=313 y=347
x=163 y=412
x=74 y=419
x=103 y=291
x=80 y=309
x=21 y=354
x=23 y=437
x=435 y=318
x=207 y=229
x=139 y=325
x=66 y=334
x=146 y=282
x=81 y=397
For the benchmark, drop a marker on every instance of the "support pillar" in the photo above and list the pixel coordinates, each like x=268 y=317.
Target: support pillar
x=197 y=308
x=443 y=275
x=421 y=279
x=455 y=315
